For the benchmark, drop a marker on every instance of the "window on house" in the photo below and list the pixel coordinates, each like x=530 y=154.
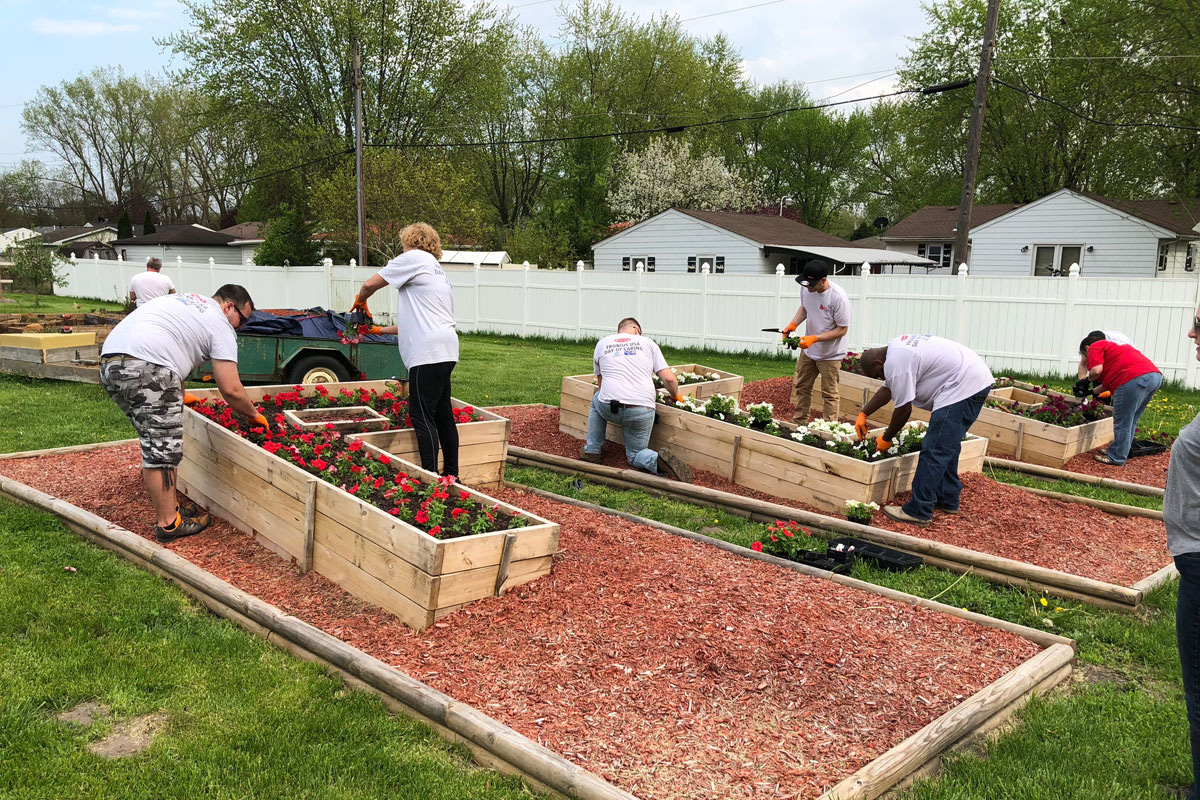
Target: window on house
x=649 y=263
x=703 y=261
x=1189 y=264
x=642 y=260
x=938 y=252
x=720 y=264
x=625 y=263
x=1055 y=260
x=1163 y=249
x=691 y=265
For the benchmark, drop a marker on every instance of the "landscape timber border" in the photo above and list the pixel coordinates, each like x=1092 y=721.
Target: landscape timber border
x=492 y=744
x=921 y=753
x=499 y=747
x=1077 y=477
x=957 y=559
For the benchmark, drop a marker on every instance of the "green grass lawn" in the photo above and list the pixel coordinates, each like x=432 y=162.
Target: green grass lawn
x=53 y=304
x=246 y=721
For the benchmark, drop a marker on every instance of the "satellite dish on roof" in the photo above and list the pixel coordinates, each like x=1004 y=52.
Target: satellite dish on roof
x=880 y=222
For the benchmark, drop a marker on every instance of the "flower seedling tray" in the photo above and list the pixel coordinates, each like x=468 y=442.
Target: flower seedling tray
x=1146 y=447
x=819 y=560
x=778 y=466
x=1008 y=434
x=482 y=444
x=885 y=557
x=377 y=557
x=346 y=418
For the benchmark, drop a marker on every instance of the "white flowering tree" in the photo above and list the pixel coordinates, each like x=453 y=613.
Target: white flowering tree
x=665 y=174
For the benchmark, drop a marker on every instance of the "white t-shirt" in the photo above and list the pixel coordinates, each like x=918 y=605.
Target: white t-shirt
x=179 y=331
x=149 y=285
x=825 y=311
x=1116 y=337
x=931 y=372
x=424 y=309
x=627 y=363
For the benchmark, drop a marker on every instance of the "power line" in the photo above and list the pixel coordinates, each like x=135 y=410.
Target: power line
x=1091 y=119
x=664 y=129
x=732 y=10
x=1149 y=57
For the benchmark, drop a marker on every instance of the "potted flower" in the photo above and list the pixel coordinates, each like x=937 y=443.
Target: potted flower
x=861 y=513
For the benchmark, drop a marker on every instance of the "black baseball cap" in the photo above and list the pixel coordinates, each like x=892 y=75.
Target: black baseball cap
x=813 y=273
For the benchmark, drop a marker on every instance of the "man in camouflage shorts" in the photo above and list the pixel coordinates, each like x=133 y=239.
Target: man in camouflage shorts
x=142 y=367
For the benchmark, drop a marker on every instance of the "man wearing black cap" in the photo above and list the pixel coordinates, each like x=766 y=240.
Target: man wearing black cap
x=825 y=312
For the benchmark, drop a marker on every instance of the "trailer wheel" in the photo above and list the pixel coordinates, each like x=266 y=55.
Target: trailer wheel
x=317 y=369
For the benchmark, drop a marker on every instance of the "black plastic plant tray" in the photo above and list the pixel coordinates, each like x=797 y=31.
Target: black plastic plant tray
x=1146 y=447
x=885 y=557
x=813 y=558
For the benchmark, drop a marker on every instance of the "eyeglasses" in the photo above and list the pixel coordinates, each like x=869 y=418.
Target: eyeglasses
x=242 y=318
x=1196 y=327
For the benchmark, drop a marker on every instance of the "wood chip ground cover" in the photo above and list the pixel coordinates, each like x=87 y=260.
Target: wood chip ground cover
x=996 y=518
x=671 y=668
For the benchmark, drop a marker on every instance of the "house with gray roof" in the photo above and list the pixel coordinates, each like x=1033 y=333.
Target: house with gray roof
x=193 y=243
x=687 y=240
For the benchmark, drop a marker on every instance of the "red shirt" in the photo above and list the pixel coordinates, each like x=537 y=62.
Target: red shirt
x=1122 y=363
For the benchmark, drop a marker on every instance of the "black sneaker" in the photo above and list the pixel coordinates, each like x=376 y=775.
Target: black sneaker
x=182 y=527
x=674 y=467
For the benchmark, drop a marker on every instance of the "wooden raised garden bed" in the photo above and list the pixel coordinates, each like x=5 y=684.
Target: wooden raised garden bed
x=62 y=356
x=727 y=383
x=482 y=445
x=373 y=555
x=781 y=467
x=347 y=418
x=1008 y=434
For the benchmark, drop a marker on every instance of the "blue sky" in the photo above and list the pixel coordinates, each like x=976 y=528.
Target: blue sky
x=852 y=41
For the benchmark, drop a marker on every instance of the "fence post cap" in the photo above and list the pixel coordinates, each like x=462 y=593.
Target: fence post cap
x=779 y=270
x=524 y=265
x=1073 y=270
x=353 y=262
x=212 y=261
x=579 y=264
x=962 y=270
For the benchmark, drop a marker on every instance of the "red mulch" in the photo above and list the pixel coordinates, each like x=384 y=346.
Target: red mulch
x=996 y=518
x=669 y=667
x=1147 y=470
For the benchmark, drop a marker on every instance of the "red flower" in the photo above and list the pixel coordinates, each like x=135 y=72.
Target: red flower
x=435 y=530
x=775 y=538
x=422 y=517
x=395 y=512
x=355 y=446
x=385 y=460
x=352 y=489
x=319 y=464
x=756 y=547
x=457 y=512
x=272 y=447
x=441 y=495
x=787 y=533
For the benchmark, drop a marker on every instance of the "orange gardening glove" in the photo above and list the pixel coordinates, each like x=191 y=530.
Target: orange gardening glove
x=261 y=422
x=1104 y=395
x=882 y=445
x=360 y=305
x=807 y=342
x=375 y=330
x=190 y=400
x=791 y=326
x=860 y=426
x=678 y=398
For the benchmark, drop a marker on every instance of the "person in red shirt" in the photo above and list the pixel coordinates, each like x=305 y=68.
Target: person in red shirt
x=1132 y=378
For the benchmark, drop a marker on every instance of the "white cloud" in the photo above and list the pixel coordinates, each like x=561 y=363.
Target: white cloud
x=133 y=13
x=79 y=27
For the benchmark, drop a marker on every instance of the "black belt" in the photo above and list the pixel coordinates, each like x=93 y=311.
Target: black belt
x=110 y=356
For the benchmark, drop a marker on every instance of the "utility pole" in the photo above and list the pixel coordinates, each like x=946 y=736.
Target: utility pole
x=358 y=154
x=967 y=199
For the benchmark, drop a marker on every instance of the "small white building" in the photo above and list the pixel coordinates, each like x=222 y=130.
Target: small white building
x=686 y=240
x=193 y=243
x=1107 y=238
x=469 y=258
x=10 y=236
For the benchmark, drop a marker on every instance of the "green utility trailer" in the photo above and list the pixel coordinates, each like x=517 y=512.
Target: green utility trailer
x=276 y=359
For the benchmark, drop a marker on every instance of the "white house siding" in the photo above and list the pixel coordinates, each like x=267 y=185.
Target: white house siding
x=673 y=238
x=1122 y=245
x=221 y=254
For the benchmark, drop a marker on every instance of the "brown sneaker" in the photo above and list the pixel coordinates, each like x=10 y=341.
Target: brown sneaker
x=591 y=458
x=674 y=467
x=182 y=527
x=897 y=513
x=946 y=510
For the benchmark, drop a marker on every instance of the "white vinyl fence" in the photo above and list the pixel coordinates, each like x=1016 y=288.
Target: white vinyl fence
x=1015 y=323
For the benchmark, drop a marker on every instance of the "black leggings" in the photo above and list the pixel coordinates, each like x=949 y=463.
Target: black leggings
x=433 y=416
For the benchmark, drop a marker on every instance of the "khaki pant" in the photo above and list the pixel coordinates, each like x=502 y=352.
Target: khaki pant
x=807 y=371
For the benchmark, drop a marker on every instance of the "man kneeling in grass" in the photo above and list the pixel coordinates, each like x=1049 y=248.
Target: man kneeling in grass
x=625 y=365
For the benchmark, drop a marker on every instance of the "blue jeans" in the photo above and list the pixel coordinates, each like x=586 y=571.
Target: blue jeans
x=936 y=480
x=1187 y=634
x=1129 y=401
x=636 y=424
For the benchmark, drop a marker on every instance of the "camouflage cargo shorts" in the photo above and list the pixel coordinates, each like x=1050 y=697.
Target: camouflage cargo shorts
x=152 y=398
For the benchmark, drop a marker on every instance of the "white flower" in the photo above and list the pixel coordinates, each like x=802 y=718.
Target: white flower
x=713 y=376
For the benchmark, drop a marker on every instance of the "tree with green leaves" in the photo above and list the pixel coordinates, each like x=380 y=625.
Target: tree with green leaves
x=124 y=226
x=34 y=268
x=288 y=241
x=148 y=225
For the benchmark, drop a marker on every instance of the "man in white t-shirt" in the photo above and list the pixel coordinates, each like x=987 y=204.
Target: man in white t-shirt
x=146 y=286
x=940 y=376
x=142 y=367
x=825 y=312
x=625 y=365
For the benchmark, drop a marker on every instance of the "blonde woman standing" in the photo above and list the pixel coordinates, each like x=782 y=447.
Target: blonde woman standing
x=427 y=337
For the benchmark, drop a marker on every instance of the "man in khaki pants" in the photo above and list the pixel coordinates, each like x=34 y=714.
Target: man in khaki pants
x=825 y=312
